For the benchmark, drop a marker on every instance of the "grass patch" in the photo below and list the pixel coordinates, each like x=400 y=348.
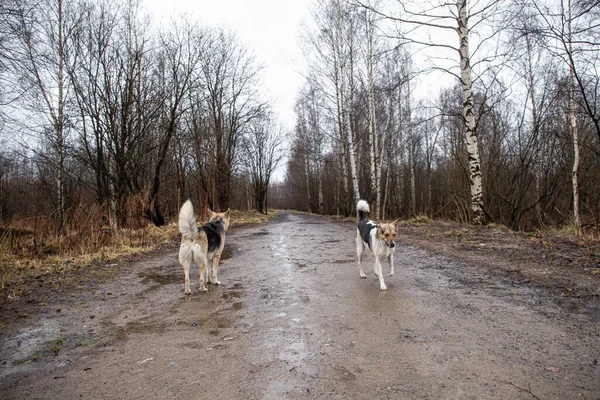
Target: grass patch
x=29 y=250
x=57 y=346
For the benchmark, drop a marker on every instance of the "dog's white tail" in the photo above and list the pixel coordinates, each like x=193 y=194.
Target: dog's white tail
x=362 y=207
x=187 y=221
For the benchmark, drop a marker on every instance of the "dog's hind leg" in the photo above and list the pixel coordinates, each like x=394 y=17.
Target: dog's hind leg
x=380 y=274
x=215 y=269
x=360 y=250
x=390 y=259
x=186 y=271
x=210 y=263
x=200 y=261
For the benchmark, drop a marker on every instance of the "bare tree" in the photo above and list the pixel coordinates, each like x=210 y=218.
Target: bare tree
x=178 y=59
x=263 y=152
x=45 y=35
x=230 y=84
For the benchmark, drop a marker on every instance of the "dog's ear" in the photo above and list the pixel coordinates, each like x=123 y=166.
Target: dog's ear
x=394 y=222
x=210 y=213
x=226 y=213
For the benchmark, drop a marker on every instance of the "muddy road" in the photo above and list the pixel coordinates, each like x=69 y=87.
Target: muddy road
x=293 y=320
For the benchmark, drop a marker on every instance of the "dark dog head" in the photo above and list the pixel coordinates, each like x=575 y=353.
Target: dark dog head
x=387 y=233
x=219 y=217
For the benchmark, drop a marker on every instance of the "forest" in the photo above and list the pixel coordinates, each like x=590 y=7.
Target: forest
x=108 y=118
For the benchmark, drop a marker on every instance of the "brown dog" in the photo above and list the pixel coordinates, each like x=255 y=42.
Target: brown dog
x=201 y=245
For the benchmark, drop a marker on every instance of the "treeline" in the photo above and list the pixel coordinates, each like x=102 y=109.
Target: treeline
x=104 y=113
x=516 y=141
x=103 y=110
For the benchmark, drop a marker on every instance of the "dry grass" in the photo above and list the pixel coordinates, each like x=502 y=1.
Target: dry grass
x=30 y=249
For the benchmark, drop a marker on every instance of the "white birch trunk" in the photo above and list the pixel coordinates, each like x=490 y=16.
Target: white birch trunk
x=373 y=131
x=60 y=184
x=340 y=124
x=401 y=151
x=413 y=191
x=319 y=177
x=307 y=171
x=469 y=115
x=573 y=123
x=345 y=103
x=388 y=126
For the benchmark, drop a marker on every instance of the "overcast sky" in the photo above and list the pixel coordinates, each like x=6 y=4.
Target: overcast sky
x=267 y=27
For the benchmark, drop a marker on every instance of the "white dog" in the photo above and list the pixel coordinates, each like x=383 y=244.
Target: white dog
x=379 y=238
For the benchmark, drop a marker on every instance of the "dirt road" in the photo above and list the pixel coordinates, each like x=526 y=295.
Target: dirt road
x=293 y=320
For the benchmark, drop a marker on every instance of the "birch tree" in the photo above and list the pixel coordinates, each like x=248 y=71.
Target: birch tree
x=331 y=53
x=45 y=35
x=443 y=17
x=374 y=136
x=573 y=37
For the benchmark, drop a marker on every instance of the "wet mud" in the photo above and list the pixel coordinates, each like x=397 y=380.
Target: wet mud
x=293 y=320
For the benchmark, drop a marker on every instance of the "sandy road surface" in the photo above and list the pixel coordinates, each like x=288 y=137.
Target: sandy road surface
x=293 y=320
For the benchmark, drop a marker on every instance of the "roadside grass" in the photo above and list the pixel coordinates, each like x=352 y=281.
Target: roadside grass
x=32 y=248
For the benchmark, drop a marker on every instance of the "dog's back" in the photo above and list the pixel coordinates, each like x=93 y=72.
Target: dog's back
x=215 y=234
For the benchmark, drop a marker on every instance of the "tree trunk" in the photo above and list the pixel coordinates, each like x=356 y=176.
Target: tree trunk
x=373 y=131
x=60 y=176
x=307 y=174
x=401 y=153
x=537 y=166
x=320 y=183
x=573 y=125
x=345 y=103
x=469 y=115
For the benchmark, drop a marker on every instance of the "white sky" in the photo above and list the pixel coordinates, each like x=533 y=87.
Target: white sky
x=269 y=28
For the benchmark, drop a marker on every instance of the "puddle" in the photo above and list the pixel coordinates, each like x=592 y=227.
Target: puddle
x=341 y=374
x=193 y=345
x=31 y=340
x=294 y=352
x=223 y=323
x=231 y=294
x=162 y=276
x=352 y=260
x=145 y=327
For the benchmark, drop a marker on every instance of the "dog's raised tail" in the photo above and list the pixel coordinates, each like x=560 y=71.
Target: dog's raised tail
x=362 y=207
x=187 y=221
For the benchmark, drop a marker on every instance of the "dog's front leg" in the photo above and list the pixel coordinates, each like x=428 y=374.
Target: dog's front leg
x=391 y=264
x=379 y=274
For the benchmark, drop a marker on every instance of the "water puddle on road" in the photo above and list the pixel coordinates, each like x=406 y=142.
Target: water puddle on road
x=162 y=276
x=29 y=341
x=295 y=352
